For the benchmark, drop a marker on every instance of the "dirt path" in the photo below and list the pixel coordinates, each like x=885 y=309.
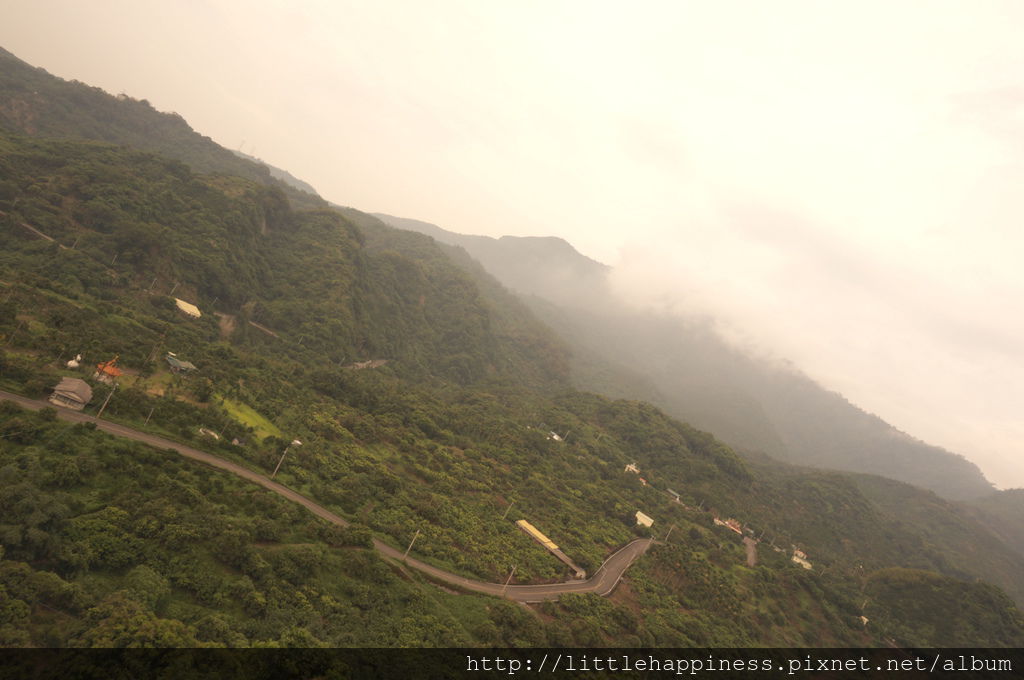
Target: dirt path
x=751 y=545
x=226 y=322
x=35 y=231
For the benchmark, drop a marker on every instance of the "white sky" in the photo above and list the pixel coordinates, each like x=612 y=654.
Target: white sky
x=839 y=182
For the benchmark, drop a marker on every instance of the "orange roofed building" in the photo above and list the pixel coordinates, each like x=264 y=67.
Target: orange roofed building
x=108 y=372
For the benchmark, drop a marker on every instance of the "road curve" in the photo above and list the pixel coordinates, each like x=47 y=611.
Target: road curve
x=603 y=581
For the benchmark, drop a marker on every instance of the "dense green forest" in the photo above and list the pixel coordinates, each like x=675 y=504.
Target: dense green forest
x=427 y=399
x=113 y=544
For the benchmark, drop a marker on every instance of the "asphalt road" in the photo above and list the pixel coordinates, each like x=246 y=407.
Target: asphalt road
x=603 y=581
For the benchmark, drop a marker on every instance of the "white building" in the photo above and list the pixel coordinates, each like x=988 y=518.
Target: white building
x=188 y=308
x=643 y=520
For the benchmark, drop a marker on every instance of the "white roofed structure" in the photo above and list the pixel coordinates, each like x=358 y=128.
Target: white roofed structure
x=188 y=308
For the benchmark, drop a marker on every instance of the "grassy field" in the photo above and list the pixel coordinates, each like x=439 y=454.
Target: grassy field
x=250 y=418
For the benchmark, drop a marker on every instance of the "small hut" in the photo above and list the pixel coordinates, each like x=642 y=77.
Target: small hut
x=179 y=366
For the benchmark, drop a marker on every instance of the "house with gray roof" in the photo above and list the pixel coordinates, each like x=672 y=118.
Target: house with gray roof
x=73 y=393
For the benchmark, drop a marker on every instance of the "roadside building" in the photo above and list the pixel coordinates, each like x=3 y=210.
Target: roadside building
x=73 y=393
x=537 y=535
x=177 y=365
x=107 y=372
x=643 y=520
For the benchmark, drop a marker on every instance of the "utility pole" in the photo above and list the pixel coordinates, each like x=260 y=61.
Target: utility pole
x=105 y=401
x=150 y=290
x=10 y=338
x=669 y=532
x=175 y=288
x=507 y=509
x=150 y=414
x=114 y=260
x=152 y=352
x=295 y=442
x=414 y=537
x=508 y=580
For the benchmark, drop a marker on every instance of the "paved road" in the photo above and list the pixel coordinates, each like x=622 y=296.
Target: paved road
x=603 y=581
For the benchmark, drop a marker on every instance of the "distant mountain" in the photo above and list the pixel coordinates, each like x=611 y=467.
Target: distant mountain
x=545 y=266
x=684 y=366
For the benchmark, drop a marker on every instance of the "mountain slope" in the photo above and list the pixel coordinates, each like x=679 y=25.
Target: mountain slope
x=1002 y=513
x=427 y=402
x=283 y=175
x=754 y=405
x=35 y=103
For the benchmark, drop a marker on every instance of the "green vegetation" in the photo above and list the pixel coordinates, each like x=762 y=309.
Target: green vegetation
x=248 y=417
x=923 y=608
x=33 y=102
x=112 y=544
x=1001 y=514
x=685 y=366
x=109 y=543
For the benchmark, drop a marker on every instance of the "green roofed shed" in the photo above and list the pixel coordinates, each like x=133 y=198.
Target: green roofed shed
x=179 y=366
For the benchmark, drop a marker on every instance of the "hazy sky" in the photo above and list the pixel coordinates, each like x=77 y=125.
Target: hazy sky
x=840 y=183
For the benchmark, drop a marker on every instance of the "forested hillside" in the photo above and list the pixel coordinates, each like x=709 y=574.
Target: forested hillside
x=684 y=366
x=33 y=102
x=412 y=396
x=1001 y=513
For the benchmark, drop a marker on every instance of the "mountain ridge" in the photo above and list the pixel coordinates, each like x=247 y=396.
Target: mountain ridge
x=37 y=103
x=783 y=412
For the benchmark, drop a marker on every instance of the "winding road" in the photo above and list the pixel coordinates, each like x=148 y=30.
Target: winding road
x=603 y=581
